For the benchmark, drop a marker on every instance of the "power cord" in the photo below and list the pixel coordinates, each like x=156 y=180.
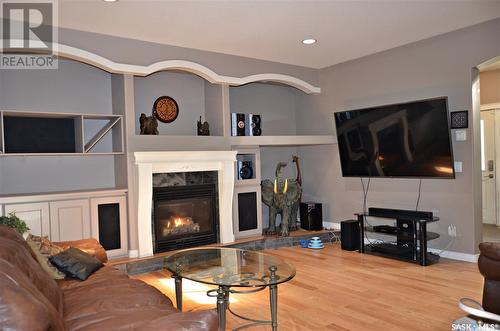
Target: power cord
x=447 y=246
x=419 y=193
x=365 y=191
x=333 y=238
x=365 y=198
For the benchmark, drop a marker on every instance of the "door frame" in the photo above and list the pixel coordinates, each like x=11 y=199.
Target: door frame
x=495 y=107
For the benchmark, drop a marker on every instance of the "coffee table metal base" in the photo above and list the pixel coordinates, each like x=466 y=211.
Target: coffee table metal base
x=222 y=294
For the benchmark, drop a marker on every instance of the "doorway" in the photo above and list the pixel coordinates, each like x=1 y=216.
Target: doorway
x=490 y=155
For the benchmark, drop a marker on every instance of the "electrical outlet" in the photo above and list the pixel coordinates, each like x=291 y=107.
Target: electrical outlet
x=452 y=230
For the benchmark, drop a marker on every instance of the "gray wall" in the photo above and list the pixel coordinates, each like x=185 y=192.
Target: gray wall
x=490 y=86
x=188 y=91
x=434 y=67
x=32 y=174
x=74 y=88
x=275 y=103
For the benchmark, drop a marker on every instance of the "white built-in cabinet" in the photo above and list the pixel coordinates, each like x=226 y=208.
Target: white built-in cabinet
x=69 y=220
x=247 y=202
x=35 y=214
x=73 y=216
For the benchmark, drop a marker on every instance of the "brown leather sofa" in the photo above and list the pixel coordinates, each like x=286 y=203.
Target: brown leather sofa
x=489 y=266
x=107 y=300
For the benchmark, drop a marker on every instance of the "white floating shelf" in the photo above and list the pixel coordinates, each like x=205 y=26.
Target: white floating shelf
x=282 y=140
x=166 y=142
x=153 y=143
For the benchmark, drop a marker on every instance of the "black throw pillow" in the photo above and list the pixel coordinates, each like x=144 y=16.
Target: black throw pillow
x=76 y=263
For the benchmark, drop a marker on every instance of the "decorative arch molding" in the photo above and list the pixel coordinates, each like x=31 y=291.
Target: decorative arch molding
x=208 y=74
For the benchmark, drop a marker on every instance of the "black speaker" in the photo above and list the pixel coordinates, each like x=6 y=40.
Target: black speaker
x=238 y=124
x=245 y=170
x=255 y=121
x=349 y=235
x=311 y=216
x=247 y=211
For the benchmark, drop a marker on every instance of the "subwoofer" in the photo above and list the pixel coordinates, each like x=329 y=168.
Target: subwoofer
x=311 y=216
x=349 y=235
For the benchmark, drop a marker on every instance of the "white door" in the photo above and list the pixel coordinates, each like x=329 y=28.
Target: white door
x=488 y=165
x=36 y=216
x=69 y=220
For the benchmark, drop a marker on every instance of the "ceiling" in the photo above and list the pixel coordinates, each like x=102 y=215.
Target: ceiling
x=273 y=30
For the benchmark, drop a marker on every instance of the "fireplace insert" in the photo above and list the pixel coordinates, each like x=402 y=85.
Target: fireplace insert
x=184 y=216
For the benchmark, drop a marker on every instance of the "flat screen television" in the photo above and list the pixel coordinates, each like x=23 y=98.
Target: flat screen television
x=402 y=140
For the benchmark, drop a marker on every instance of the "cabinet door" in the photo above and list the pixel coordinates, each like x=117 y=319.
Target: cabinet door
x=69 y=220
x=36 y=216
x=109 y=224
x=247 y=211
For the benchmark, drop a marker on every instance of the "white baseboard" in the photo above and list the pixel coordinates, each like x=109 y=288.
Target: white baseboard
x=331 y=225
x=455 y=255
x=133 y=253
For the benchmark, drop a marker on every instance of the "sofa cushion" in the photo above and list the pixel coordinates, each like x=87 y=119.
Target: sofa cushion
x=22 y=305
x=44 y=262
x=112 y=295
x=20 y=255
x=145 y=319
x=105 y=274
x=90 y=246
x=76 y=263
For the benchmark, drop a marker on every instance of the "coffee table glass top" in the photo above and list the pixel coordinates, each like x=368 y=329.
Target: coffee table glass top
x=229 y=267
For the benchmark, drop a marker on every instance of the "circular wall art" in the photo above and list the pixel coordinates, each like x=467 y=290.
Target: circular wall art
x=165 y=109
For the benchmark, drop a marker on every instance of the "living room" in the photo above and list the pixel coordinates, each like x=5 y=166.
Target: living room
x=209 y=181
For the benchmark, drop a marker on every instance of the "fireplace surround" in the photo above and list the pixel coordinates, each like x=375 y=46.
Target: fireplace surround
x=149 y=163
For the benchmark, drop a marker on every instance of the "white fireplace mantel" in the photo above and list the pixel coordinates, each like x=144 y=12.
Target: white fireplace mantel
x=149 y=163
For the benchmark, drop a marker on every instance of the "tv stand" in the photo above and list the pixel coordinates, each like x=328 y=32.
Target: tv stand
x=410 y=233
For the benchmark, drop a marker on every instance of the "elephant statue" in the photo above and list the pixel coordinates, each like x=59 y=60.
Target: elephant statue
x=280 y=195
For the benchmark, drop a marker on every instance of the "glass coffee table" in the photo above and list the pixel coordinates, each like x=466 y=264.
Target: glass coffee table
x=233 y=271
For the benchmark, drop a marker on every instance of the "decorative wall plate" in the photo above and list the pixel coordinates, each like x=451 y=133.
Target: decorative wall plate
x=165 y=109
x=459 y=119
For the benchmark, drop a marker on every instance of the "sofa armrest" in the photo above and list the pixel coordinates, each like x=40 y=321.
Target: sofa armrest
x=89 y=246
x=490 y=250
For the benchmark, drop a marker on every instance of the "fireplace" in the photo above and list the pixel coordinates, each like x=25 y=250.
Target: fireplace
x=184 y=216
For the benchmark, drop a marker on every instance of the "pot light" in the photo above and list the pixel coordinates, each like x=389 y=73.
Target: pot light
x=309 y=41
x=110 y=0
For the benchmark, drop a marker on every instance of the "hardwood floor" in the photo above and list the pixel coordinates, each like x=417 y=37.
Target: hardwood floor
x=340 y=290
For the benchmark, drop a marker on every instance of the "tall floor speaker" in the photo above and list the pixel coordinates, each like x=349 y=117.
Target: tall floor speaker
x=349 y=235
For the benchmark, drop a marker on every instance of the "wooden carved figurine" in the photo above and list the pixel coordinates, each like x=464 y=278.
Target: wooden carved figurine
x=149 y=124
x=203 y=128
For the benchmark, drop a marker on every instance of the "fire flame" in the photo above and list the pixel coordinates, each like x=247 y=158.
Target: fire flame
x=179 y=225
